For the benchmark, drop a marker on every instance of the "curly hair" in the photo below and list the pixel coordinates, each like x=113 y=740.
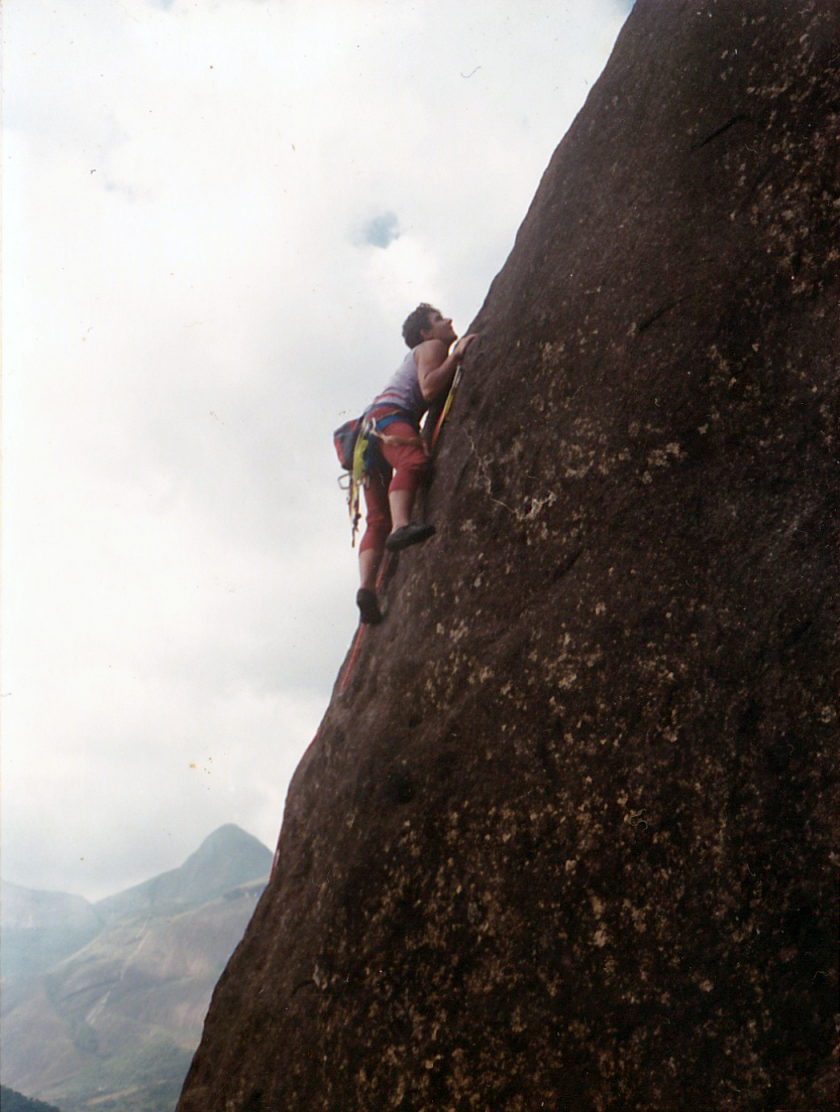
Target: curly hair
x=416 y=322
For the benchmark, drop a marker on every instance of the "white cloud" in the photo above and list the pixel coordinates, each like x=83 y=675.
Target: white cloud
x=190 y=308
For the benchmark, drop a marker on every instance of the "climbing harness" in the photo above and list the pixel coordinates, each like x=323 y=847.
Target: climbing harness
x=355 y=446
x=352 y=445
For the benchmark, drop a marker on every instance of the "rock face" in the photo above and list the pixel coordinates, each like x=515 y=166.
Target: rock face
x=565 y=840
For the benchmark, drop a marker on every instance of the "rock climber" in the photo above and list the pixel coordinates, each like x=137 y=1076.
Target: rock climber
x=401 y=457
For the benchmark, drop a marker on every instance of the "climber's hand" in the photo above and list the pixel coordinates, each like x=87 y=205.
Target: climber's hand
x=462 y=345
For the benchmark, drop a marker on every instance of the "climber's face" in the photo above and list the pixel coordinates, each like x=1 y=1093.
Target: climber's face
x=439 y=328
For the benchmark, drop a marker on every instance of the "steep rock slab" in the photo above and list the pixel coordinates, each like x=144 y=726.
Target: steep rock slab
x=564 y=842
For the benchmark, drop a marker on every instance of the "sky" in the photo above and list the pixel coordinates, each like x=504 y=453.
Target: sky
x=216 y=215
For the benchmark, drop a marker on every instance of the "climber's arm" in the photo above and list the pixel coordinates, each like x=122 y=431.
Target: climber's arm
x=436 y=368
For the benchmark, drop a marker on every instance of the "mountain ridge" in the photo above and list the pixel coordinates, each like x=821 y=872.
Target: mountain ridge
x=240 y=856
x=38 y=928
x=113 y=1024
x=13 y=1101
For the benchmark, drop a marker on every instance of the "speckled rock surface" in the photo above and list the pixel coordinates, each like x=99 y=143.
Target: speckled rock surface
x=566 y=840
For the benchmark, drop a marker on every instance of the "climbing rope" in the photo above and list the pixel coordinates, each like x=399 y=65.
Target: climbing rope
x=447 y=405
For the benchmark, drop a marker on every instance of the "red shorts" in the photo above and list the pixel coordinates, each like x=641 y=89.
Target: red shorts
x=400 y=467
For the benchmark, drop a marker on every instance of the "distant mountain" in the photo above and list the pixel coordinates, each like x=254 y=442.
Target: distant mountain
x=112 y=1027
x=38 y=929
x=227 y=858
x=10 y=1101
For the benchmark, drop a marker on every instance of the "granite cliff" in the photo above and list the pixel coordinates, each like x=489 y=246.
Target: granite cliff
x=566 y=839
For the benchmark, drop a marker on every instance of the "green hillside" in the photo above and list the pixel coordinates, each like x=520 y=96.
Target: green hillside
x=11 y=1101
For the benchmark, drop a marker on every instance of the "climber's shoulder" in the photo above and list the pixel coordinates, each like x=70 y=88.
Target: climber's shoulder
x=430 y=353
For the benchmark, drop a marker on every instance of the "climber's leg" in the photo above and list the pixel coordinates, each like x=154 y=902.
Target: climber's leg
x=378 y=525
x=410 y=464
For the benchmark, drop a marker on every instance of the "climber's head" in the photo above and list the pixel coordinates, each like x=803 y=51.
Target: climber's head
x=427 y=323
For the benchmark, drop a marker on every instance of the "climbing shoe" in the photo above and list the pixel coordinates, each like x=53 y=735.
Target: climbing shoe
x=368 y=606
x=407 y=535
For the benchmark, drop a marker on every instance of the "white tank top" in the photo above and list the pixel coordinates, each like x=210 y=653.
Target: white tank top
x=403 y=391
